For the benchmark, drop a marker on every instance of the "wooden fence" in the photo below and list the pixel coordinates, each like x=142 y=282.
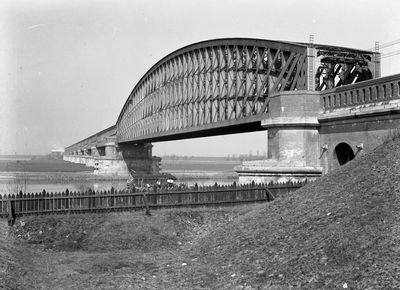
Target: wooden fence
x=123 y=200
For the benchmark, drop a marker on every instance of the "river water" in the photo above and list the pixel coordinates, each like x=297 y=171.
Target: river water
x=8 y=185
x=187 y=168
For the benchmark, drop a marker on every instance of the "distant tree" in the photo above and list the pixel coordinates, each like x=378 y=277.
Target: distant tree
x=17 y=184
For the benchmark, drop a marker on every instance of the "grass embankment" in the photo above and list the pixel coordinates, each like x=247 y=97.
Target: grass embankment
x=112 y=251
x=9 y=251
x=340 y=231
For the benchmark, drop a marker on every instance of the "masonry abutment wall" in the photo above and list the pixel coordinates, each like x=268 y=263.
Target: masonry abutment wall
x=139 y=159
x=361 y=115
x=293 y=139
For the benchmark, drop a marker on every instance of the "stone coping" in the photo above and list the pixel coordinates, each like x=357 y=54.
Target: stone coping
x=290 y=122
x=278 y=169
x=365 y=110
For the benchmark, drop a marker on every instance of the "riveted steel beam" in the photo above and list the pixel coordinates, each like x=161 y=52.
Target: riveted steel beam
x=208 y=85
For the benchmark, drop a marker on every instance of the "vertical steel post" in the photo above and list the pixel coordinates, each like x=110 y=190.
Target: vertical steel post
x=377 y=61
x=311 y=64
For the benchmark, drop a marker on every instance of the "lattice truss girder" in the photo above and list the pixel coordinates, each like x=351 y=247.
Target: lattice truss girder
x=210 y=84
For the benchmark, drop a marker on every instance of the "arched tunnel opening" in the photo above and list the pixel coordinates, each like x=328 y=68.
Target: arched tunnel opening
x=344 y=153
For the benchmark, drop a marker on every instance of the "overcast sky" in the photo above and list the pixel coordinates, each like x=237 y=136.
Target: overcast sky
x=67 y=67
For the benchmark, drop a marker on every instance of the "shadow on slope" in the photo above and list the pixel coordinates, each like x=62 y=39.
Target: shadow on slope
x=342 y=230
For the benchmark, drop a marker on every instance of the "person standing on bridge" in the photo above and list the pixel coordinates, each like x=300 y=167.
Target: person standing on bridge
x=328 y=77
x=363 y=73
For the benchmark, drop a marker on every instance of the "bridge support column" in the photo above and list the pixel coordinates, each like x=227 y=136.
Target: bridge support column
x=108 y=159
x=130 y=160
x=139 y=159
x=90 y=159
x=111 y=148
x=293 y=141
x=77 y=156
x=82 y=157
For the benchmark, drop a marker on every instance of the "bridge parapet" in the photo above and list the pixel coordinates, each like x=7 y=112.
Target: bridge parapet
x=94 y=144
x=372 y=91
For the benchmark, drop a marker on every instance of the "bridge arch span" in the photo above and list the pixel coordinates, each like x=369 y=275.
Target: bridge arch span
x=207 y=87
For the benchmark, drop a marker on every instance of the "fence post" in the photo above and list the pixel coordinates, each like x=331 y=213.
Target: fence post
x=19 y=196
x=89 y=197
x=36 y=203
x=270 y=196
x=42 y=201
x=146 y=204
x=51 y=202
x=11 y=213
x=68 y=201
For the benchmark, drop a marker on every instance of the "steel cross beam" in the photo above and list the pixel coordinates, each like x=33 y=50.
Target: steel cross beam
x=210 y=85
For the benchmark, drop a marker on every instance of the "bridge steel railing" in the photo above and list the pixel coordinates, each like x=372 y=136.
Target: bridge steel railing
x=209 y=83
x=367 y=92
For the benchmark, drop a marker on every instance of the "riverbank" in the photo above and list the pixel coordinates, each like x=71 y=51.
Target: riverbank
x=181 y=175
x=60 y=176
x=60 y=170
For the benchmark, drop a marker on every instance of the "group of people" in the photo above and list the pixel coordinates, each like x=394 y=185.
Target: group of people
x=326 y=71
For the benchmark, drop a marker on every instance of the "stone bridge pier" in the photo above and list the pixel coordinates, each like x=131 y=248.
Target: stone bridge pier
x=107 y=157
x=126 y=160
x=293 y=140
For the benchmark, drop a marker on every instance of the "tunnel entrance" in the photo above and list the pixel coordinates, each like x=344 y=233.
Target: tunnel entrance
x=344 y=153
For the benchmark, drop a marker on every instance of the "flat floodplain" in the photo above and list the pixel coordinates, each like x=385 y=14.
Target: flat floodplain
x=24 y=164
x=205 y=164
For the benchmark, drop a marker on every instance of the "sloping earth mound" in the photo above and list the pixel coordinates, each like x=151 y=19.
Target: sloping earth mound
x=340 y=232
x=112 y=250
x=8 y=262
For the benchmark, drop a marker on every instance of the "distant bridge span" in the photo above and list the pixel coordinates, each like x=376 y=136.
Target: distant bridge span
x=308 y=96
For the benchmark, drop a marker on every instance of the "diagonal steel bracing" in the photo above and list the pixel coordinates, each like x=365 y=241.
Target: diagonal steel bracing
x=209 y=85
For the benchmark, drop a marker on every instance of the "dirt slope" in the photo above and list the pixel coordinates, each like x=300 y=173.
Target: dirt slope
x=9 y=264
x=341 y=231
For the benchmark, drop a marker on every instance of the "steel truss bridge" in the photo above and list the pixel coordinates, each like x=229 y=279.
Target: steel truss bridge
x=223 y=86
x=211 y=88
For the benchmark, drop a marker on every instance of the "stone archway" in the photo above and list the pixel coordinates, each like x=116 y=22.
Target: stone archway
x=344 y=153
